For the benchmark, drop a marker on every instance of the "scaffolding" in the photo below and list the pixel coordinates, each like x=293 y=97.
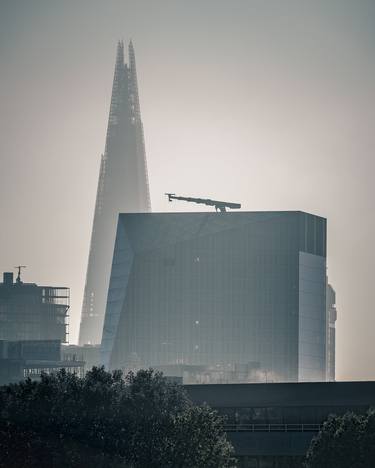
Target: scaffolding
x=56 y=303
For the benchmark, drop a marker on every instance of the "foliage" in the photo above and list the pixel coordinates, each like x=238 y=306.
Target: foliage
x=108 y=420
x=344 y=442
x=20 y=448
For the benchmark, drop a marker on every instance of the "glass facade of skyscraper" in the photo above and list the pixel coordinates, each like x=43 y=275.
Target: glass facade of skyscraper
x=236 y=296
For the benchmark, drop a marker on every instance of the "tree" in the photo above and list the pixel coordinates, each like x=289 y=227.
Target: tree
x=137 y=421
x=21 y=448
x=344 y=442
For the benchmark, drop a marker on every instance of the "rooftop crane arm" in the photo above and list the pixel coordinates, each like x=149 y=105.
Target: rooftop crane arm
x=219 y=205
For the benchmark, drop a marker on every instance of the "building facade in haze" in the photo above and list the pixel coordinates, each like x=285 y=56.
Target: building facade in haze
x=89 y=354
x=32 y=312
x=331 y=332
x=272 y=425
x=122 y=187
x=31 y=358
x=219 y=297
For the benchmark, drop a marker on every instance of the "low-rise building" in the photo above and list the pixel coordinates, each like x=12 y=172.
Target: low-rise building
x=272 y=425
x=89 y=354
x=22 y=359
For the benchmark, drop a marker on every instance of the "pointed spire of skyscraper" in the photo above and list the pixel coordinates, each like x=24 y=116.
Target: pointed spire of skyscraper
x=120 y=54
x=122 y=187
x=134 y=82
x=118 y=80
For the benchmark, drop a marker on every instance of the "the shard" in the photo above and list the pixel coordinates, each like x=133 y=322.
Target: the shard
x=122 y=187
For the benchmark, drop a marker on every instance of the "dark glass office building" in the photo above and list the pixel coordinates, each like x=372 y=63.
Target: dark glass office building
x=219 y=297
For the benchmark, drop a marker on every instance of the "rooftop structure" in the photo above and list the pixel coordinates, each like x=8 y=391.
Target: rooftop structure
x=122 y=187
x=219 y=205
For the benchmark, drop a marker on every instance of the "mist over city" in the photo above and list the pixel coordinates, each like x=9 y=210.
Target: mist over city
x=187 y=211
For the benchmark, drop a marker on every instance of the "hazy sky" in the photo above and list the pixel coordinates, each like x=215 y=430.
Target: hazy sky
x=270 y=103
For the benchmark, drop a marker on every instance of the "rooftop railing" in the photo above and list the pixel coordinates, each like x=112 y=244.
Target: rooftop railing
x=272 y=427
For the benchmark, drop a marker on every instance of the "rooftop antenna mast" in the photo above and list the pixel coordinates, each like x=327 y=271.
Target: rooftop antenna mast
x=219 y=205
x=19 y=267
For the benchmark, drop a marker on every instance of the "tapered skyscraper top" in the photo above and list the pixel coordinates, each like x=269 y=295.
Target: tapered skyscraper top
x=122 y=187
